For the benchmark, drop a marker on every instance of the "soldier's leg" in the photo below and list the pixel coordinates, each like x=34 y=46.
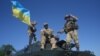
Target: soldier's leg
x=34 y=38
x=43 y=39
x=30 y=41
x=75 y=38
x=68 y=40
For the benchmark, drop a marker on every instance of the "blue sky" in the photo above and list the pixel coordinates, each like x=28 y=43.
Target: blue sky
x=13 y=31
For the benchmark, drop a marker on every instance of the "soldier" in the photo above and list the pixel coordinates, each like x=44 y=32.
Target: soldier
x=46 y=34
x=31 y=32
x=70 y=28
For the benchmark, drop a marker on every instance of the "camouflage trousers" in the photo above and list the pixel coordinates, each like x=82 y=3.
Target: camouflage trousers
x=31 y=38
x=43 y=41
x=72 y=35
x=52 y=41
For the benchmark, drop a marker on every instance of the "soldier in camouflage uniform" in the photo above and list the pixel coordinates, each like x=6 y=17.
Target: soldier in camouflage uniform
x=31 y=32
x=46 y=34
x=70 y=28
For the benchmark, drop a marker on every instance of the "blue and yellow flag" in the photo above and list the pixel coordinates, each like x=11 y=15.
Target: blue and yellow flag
x=20 y=12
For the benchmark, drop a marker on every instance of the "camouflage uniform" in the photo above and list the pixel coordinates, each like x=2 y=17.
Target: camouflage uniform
x=31 y=32
x=46 y=34
x=71 y=28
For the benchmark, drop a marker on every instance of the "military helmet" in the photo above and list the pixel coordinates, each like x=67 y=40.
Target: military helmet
x=33 y=22
x=70 y=17
x=67 y=16
x=45 y=24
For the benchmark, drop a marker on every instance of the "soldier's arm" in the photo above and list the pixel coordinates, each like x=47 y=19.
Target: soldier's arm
x=61 y=31
x=51 y=33
x=42 y=32
x=65 y=27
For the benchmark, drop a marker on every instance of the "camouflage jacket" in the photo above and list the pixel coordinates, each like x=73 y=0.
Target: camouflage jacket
x=70 y=25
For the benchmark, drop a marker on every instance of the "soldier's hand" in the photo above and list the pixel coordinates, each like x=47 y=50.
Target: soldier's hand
x=60 y=32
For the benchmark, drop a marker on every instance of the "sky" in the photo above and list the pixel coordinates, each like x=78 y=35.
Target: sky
x=13 y=31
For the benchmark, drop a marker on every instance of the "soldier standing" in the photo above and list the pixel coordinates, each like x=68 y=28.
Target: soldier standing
x=70 y=28
x=31 y=32
x=46 y=34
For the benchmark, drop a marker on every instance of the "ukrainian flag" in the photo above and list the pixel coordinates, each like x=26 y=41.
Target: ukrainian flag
x=20 y=12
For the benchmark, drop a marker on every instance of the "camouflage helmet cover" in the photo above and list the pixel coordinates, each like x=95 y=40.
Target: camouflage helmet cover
x=70 y=16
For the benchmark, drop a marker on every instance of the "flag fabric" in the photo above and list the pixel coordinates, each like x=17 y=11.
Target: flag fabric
x=20 y=12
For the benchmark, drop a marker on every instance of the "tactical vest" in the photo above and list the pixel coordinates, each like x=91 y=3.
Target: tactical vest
x=32 y=29
x=70 y=25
